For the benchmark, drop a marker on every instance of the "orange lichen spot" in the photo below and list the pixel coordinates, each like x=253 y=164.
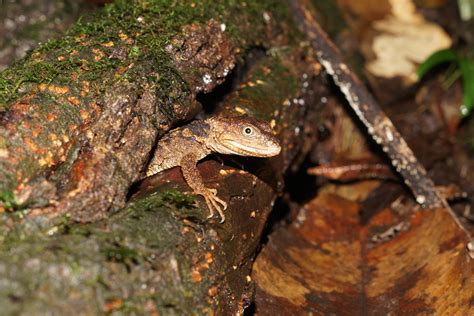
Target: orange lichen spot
x=209 y=257
x=3 y=153
x=98 y=54
x=20 y=187
x=80 y=38
x=36 y=131
x=65 y=138
x=51 y=117
x=26 y=124
x=122 y=36
x=108 y=44
x=212 y=291
x=74 y=75
x=42 y=162
x=54 y=89
x=84 y=114
x=85 y=88
x=203 y=266
x=36 y=56
x=31 y=145
x=20 y=107
x=95 y=107
x=317 y=67
x=113 y=305
x=58 y=143
x=196 y=276
x=74 y=101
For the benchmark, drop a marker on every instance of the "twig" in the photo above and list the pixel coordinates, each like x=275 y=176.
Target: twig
x=369 y=112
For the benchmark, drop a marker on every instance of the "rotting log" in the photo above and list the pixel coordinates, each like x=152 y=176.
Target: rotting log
x=80 y=115
x=79 y=119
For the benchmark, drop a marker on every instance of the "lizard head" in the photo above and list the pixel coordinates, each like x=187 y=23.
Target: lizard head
x=243 y=136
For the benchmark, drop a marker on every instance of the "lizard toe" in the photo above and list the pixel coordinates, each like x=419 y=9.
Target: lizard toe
x=214 y=203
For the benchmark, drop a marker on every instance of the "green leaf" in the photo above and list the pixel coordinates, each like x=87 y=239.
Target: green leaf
x=439 y=57
x=466 y=65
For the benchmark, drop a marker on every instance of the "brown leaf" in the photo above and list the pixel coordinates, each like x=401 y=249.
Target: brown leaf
x=399 y=262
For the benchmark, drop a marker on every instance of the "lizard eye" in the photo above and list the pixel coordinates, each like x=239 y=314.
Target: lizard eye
x=248 y=130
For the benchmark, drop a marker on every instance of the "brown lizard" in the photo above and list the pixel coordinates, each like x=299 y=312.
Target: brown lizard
x=186 y=145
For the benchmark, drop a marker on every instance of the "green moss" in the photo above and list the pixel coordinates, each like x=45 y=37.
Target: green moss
x=122 y=254
x=145 y=26
x=180 y=204
x=270 y=73
x=8 y=200
x=134 y=52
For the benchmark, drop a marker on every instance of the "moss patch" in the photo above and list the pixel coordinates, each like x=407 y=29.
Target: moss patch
x=134 y=260
x=142 y=28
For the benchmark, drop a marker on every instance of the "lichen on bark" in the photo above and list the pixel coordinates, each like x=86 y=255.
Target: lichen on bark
x=79 y=118
x=123 y=64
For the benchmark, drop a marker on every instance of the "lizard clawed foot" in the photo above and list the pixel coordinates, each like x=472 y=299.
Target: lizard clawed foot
x=213 y=203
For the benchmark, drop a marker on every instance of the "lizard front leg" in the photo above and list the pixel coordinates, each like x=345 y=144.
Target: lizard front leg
x=194 y=180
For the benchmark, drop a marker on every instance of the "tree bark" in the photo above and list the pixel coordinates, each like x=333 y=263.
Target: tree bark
x=79 y=120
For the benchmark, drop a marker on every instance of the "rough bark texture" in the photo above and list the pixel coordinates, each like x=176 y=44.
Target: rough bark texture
x=79 y=120
x=72 y=111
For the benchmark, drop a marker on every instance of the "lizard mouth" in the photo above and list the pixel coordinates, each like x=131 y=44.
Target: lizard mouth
x=241 y=149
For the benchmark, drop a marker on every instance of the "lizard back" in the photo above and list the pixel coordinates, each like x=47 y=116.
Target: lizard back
x=182 y=141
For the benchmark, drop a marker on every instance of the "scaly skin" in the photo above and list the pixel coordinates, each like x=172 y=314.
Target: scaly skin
x=186 y=145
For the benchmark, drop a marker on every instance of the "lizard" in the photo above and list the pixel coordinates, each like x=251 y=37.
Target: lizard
x=186 y=145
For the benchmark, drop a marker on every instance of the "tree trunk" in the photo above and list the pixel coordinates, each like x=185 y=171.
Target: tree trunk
x=79 y=120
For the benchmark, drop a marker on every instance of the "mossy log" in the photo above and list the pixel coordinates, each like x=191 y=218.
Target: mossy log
x=79 y=119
